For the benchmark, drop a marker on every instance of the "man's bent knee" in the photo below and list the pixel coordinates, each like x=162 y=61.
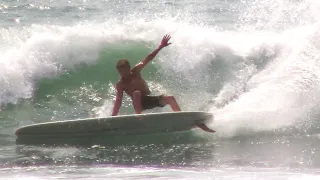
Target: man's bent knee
x=168 y=99
x=136 y=93
x=137 y=101
x=171 y=100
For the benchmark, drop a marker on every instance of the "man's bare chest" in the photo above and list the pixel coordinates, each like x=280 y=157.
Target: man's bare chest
x=134 y=84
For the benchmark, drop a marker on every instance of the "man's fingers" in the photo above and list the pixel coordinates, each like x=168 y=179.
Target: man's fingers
x=164 y=37
x=167 y=37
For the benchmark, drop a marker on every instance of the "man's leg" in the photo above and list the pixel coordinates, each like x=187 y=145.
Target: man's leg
x=172 y=102
x=136 y=101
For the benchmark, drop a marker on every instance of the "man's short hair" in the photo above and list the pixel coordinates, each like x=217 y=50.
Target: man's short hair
x=122 y=63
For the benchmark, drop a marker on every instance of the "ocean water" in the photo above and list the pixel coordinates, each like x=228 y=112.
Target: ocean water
x=253 y=64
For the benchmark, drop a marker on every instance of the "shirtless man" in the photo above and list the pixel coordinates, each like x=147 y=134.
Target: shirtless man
x=136 y=87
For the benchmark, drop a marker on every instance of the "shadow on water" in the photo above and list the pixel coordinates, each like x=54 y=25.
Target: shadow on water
x=258 y=150
x=88 y=140
x=159 y=153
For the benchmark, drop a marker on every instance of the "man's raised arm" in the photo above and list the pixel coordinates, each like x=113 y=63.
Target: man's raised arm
x=164 y=43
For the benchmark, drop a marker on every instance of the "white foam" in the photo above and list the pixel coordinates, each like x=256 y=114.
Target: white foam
x=280 y=95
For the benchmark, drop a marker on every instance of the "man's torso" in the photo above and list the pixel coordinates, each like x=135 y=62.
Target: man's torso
x=135 y=83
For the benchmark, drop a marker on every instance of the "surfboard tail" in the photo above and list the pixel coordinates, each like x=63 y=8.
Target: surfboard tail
x=205 y=127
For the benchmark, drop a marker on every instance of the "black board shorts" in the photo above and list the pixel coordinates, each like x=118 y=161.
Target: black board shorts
x=150 y=102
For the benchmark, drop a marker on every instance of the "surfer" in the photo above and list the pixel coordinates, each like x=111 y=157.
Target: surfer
x=135 y=86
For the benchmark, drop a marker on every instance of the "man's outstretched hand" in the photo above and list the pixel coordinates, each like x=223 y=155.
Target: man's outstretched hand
x=165 y=41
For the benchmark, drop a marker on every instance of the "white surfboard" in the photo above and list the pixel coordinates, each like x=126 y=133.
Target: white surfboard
x=120 y=125
x=154 y=128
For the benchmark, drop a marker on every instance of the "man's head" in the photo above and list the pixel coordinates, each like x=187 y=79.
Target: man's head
x=123 y=67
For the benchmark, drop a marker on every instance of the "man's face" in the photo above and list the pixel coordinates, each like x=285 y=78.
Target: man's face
x=124 y=71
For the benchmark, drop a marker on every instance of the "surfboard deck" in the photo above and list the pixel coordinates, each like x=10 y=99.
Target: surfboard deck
x=148 y=128
x=120 y=125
